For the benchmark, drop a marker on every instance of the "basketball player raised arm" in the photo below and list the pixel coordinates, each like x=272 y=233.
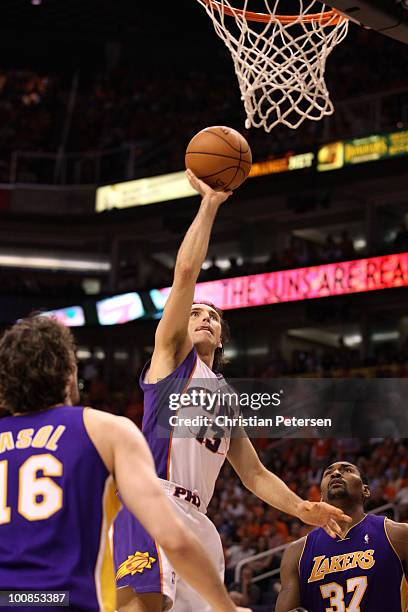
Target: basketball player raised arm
x=173 y=343
x=120 y=444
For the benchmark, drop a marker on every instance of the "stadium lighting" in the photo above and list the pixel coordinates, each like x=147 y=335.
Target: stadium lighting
x=45 y=262
x=83 y=353
x=359 y=243
x=385 y=336
x=352 y=340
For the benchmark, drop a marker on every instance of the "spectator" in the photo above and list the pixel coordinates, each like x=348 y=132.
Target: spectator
x=238 y=551
x=265 y=564
x=251 y=593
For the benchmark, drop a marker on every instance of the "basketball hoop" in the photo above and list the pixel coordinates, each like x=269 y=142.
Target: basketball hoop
x=279 y=59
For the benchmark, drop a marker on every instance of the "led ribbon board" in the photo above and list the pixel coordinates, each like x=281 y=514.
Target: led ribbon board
x=120 y=309
x=359 y=150
x=331 y=156
x=73 y=316
x=342 y=278
x=173 y=186
x=144 y=191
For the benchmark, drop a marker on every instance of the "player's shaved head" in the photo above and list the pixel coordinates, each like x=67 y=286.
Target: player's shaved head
x=364 y=478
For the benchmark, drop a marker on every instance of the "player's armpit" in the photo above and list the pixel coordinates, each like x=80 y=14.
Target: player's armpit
x=289 y=596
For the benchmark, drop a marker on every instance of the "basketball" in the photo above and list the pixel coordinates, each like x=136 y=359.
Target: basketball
x=220 y=156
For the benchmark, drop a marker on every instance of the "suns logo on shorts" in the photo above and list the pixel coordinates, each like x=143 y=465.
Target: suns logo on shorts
x=135 y=564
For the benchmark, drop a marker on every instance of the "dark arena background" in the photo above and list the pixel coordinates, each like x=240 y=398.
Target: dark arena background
x=95 y=95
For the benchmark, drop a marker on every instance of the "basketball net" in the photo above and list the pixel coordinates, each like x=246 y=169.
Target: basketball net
x=279 y=60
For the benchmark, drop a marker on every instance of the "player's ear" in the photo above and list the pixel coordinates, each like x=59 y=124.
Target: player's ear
x=366 y=492
x=219 y=345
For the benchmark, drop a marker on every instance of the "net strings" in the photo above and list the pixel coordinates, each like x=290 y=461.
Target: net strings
x=280 y=67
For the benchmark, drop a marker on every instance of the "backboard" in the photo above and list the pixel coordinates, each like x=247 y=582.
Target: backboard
x=390 y=17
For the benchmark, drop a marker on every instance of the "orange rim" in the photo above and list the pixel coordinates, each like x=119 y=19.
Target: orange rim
x=331 y=17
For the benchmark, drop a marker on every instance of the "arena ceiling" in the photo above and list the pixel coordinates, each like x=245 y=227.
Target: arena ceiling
x=95 y=18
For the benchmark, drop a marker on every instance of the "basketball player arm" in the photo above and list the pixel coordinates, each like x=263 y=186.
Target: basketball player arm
x=134 y=472
x=172 y=343
x=271 y=489
x=398 y=536
x=260 y=481
x=289 y=595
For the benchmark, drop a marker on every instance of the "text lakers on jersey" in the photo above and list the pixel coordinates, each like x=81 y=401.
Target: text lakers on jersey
x=364 y=559
x=352 y=572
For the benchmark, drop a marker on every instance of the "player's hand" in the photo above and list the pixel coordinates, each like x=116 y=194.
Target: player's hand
x=217 y=197
x=323 y=515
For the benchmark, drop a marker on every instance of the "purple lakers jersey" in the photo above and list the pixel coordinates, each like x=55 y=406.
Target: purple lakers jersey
x=360 y=572
x=57 y=500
